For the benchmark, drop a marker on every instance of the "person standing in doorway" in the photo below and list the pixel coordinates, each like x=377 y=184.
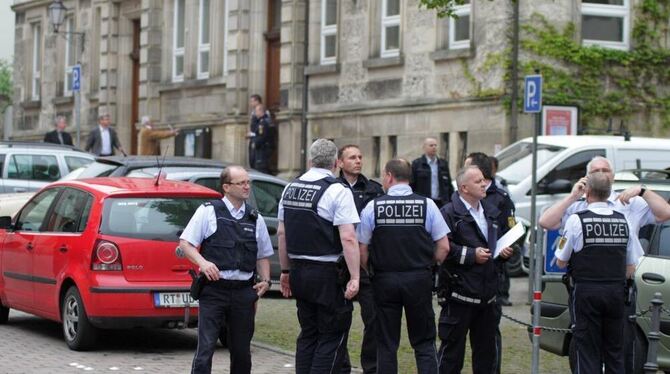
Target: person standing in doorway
x=430 y=175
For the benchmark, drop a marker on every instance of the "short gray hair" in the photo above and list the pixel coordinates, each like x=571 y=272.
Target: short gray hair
x=599 y=186
x=58 y=119
x=323 y=153
x=103 y=115
x=598 y=158
x=460 y=176
x=145 y=120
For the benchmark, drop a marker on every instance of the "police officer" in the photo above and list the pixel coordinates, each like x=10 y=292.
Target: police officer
x=397 y=235
x=601 y=251
x=234 y=243
x=469 y=277
x=317 y=215
x=261 y=139
x=641 y=207
x=350 y=162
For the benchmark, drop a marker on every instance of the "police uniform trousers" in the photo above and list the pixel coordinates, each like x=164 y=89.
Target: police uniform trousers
x=369 y=344
x=231 y=305
x=411 y=291
x=481 y=320
x=324 y=316
x=598 y=326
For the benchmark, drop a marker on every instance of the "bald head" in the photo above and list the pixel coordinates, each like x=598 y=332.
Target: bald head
x=430 y=147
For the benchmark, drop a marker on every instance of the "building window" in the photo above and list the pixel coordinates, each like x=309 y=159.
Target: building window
x=203 y=40
x=178 y=41
x=390 y=43
x=37 y=61
x=459 y=28
x=605 y=23
x=328 y=31
x=70 y=56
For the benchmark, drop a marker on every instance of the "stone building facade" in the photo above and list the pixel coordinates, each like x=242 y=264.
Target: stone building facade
x=383 y=74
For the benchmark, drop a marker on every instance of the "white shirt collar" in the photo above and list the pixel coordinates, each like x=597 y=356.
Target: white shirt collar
x=431 y=160
x=325 y=172
x=469 y=207
x=102 y=129
x=231 y=208
x=599 y=204
x=402 y=189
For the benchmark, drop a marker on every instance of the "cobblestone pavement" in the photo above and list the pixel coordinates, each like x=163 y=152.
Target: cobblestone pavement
x=31 y=344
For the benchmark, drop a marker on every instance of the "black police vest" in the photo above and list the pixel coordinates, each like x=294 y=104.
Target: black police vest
x=233 y=246
x=308 y=234
x=400 y=240
x=603 y=256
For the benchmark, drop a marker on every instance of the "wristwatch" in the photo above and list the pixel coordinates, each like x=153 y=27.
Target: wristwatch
x=643 y=189
x=268 y=281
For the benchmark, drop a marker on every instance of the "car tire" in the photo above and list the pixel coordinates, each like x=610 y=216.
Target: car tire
x=4 y=314
x=223 y=337
x=640 y=351
x=514 y=268
x=78 y=332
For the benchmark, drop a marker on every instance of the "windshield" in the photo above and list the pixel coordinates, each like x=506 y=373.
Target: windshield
x=161 y=219
x=515 y=162
x=92 y=170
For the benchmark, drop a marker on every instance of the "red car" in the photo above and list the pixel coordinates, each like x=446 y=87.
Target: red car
x=100 y=253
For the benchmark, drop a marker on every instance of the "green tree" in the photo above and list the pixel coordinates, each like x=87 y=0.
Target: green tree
x=444 y=8
x=6 y=85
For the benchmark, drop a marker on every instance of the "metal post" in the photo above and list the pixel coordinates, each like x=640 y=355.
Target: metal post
x=537 y=254
x=77 y=120
x=651 y=366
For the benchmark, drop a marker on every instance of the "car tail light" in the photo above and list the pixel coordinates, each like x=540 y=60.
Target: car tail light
x=106 y=256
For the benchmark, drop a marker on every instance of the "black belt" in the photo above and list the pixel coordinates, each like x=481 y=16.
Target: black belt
x=232 y=284
x=303 y=262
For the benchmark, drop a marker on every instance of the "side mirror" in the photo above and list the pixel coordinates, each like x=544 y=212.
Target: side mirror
x=5 y=222
x=559 y=186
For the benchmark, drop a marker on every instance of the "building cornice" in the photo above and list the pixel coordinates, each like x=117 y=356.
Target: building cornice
x=20 y=6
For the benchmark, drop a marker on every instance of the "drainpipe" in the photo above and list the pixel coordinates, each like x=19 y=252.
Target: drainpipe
x=514 y=74
x=305 y=98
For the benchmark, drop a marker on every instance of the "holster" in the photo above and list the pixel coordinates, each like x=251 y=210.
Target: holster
x=343 y=275
x=568 y=282
x=629 y=291
x=198 y=284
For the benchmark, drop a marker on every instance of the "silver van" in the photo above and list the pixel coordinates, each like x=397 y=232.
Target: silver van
x=28 y=167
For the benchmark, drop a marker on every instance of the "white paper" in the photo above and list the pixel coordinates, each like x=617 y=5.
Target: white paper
x=509 y=238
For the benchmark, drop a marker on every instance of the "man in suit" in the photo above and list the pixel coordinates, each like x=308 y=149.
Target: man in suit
x=103 y=139
x=430 y=175
x=59 y=135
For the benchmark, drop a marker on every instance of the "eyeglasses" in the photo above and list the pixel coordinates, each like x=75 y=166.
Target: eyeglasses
x=240 y=184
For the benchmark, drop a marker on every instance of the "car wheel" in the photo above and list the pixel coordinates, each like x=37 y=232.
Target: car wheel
x=77 y=329
x=223 y=337
x=4 y=314
x=639 y=352
x=514 y=268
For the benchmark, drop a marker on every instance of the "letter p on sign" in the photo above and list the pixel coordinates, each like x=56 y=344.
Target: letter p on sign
x=532 y=102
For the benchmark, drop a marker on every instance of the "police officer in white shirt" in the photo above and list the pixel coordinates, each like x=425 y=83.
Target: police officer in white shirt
x=234 y=244
x=317 y=215
x=601 y=249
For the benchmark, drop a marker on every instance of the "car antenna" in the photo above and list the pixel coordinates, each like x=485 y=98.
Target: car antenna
x=160 y=166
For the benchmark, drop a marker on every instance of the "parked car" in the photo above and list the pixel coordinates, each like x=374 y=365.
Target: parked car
x=650 y=276
x=266 y=191
x=30 y=166
x=100 y=253
x=562 y=161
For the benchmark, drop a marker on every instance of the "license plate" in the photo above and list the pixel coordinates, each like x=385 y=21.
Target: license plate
x=173 y=300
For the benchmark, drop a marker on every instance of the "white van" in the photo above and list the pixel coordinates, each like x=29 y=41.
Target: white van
x=561 y=161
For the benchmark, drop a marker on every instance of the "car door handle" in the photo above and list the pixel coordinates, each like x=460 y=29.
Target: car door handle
x=29 y=246
x=20 y=189
x=63 y=249
x=653 y=278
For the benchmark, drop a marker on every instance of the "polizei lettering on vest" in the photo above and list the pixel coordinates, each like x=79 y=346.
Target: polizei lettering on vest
x=606 y=229
x=400 y=211
x=300 y=194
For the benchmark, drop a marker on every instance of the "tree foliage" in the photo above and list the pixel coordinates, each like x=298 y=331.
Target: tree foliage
x=444 y=8
x=6 y=84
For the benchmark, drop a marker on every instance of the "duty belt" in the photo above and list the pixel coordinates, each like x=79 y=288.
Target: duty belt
x=471 y=300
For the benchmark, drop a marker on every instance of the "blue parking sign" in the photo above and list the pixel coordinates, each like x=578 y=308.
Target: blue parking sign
x=76 y=78
x=532 y=99
x=551 y=238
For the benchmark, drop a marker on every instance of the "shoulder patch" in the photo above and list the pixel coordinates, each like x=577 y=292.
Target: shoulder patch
x=511 y=222
x=561 y=243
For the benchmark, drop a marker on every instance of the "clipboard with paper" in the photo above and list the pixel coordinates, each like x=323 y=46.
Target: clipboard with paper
x=509 y=238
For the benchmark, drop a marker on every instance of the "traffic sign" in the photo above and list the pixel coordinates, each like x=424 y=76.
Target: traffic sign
x=532 y=99
x=76 y=78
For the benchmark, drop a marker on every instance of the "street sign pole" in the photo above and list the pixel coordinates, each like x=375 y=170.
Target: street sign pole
x=533 y=104
x=76 y=87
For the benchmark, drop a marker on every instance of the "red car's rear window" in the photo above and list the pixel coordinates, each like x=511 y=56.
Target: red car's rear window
x=152 y=218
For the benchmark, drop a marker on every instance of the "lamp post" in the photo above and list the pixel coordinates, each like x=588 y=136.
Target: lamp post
x=57 y=12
